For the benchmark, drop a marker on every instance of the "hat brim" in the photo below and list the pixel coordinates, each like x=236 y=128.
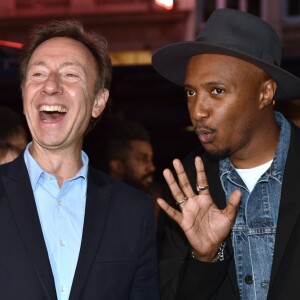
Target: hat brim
x=171 y=62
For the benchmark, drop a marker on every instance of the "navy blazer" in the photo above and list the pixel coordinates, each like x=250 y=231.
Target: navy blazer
x=185 y=278
x=117 y=258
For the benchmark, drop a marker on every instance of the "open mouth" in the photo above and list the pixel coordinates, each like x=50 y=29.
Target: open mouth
x=204 y=135
x=52 y=112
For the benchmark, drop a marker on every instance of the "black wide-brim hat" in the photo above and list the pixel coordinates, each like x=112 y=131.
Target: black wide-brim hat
x=234 y=33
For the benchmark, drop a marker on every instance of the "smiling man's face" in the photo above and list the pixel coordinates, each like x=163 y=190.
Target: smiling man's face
x=58 y=93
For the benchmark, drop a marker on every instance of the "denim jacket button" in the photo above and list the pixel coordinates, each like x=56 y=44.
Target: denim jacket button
x=249 y=279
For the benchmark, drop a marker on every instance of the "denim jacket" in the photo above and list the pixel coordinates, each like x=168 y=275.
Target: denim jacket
x=253 y=234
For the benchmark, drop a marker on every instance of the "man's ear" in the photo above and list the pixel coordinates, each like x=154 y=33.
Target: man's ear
x=116 y=168
x=268 y=92
x=100 y=102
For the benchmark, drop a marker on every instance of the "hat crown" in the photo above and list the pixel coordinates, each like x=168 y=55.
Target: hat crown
x=234 y=33
x=242 y=32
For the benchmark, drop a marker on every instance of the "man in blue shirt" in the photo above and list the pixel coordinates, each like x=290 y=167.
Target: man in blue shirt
x=238 y=195
x=68 y=231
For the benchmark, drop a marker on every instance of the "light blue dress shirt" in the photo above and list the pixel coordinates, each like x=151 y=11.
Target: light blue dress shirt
x=61 y=214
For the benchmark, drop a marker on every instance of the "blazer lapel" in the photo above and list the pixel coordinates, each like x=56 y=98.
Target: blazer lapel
x=97 y=205
x=19 y=192
x=290 y=202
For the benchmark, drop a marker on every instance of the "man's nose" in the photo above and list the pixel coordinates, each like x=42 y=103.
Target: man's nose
x=199 y=108
x=151 y=166
x=52 y=84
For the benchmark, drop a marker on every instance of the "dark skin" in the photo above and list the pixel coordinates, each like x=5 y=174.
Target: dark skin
x=230 y=105
x=136 y=167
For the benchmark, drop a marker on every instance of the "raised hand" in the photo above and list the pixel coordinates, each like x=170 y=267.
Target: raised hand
x=204 y=225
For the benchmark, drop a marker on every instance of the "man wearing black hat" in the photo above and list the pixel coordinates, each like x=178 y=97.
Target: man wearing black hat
x=238 y=227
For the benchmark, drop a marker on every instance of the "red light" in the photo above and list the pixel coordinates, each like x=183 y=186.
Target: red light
x=167 y=4
x=11 y=44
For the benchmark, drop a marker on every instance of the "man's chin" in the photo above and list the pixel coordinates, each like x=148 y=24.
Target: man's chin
x=138 y=185
x=218 y=155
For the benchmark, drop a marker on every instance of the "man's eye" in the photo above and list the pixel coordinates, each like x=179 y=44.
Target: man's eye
x=217 y=91
x=72 y=75
x=37 y=74
x=190 y=93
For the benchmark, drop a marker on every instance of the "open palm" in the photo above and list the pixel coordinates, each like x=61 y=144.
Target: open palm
x=204 y=224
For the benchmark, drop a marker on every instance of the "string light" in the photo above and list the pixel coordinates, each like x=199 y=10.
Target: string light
x=11 y=44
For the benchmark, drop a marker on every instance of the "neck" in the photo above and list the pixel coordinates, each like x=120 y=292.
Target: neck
x=261 y=148
x=62 y=164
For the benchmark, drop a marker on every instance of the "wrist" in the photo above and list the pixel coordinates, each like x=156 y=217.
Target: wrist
x=220 y=256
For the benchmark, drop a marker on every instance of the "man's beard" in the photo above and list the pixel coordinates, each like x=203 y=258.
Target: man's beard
x=137 y=183
x=218 y=155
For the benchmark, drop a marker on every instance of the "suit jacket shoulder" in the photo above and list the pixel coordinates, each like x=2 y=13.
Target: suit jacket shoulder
x=118 y=251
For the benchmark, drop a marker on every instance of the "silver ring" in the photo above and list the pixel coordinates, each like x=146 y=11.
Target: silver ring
x=201 y=188
x=185 y=199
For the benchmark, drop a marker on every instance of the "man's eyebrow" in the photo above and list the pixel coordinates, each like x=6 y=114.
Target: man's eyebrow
x=37 y=63
x=214 y=83
x=65 y=64
x=208 y=84
x=71 y=63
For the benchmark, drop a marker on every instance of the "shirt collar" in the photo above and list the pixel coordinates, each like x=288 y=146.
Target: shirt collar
x=35 y=171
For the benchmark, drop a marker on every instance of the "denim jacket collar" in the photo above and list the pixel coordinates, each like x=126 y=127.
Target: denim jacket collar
x=277 y=168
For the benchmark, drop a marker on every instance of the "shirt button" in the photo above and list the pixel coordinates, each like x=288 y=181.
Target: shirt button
x=60 y=203
x=62 y=243
x=249 y=279
x=62 y=289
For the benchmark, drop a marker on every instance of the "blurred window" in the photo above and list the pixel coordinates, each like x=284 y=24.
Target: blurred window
x=251 y=6
x=293 y=7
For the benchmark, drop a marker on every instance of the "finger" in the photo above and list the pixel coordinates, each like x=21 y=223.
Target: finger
x=175 y=189
x=232 y=205
x=170 y=211
x=183 y=179
x=201 y=176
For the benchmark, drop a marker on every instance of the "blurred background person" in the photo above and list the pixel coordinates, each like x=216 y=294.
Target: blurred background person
x=13 y=131
x=129 y=155
x=129 y=158
x=8 y=153
x=13 y=134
